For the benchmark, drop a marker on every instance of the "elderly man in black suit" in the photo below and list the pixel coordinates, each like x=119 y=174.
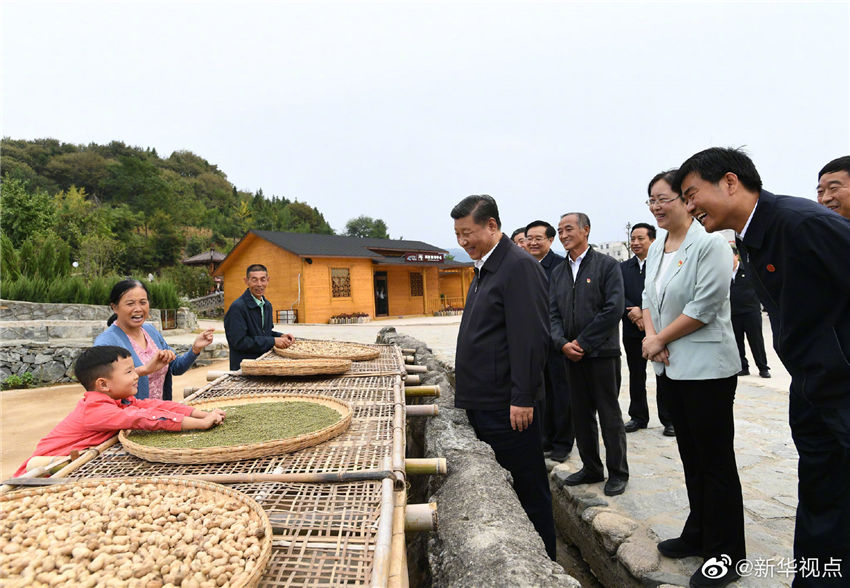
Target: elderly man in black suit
x=501 y=351
x=634 y=273
x=556 y=416
x=585 y=304
x=796 y=253
x=746 y=319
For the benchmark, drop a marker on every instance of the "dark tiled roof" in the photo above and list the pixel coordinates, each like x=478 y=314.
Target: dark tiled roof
x=307 y=244
x=205 y=257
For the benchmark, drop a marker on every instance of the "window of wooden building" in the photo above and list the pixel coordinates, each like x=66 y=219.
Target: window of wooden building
x=416 y=286
x=340 y=282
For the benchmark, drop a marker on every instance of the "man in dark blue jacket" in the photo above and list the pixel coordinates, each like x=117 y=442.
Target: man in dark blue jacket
x=634 y=273
x=249 y=323
x=555 y=414
x=796 y=253
x=747 y=319
x=501 y=350
x=585 y=305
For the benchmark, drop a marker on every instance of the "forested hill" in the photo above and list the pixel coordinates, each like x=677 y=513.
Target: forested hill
x=132 y=196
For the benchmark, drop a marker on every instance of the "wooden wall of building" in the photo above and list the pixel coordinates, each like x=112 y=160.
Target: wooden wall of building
x=284 y=268
x=320 y=305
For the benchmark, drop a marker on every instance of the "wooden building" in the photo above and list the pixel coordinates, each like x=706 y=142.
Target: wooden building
x=322 y=276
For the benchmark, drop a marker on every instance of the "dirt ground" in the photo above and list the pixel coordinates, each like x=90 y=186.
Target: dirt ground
x=28 y=415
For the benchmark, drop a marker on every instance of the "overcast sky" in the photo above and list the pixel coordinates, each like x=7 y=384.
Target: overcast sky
x=399 y=109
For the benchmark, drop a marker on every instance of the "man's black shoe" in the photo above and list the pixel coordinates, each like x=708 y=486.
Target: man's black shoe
x=744 y=372
x=615 y=486
x=583 y=477
x=633 y=426
x=669 y=431
x=677 y=548
x=547 y=453
x=726 y=575
x=764 y=373
x=559 y=456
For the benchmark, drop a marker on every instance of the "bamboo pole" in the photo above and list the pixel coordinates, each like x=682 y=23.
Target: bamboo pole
x=85 y=457
x=398 y=564
x=420 y=517
x=436 y=466
x=408 y=350
x=409 y=359
x=422 y=391
x=11 y=483
x=383 y=537
x=189 y=390
x=419 y=410
x=415 y=369
x=399 y=432
x=213 y=375
x=412 y=380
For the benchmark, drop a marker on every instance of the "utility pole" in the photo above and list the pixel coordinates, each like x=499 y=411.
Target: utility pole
x=628 y=239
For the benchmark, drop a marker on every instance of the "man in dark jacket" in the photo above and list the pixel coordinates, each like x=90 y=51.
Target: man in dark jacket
x=634 y=272
x=585 y=305
x=248 y=322
x=554 y=407
x=501 y=349
x=796 y=253
x=746 y=319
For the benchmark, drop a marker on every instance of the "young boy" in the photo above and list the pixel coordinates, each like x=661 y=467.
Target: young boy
x=109 y=376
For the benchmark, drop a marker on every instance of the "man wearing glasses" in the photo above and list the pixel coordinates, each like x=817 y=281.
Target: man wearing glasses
x=556 y=417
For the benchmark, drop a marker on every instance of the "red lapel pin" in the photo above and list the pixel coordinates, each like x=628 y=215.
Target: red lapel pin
x=771 y=268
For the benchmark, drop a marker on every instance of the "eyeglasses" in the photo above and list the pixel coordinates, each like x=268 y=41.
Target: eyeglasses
x=658 y=201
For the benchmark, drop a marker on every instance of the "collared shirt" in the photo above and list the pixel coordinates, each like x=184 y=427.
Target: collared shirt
x=746 y=226
x=574 y=265
x=641 y=263
x=260 y=303
x=479 y=263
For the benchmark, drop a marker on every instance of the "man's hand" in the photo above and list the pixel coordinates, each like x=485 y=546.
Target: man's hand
x=635 y=313
x=521 y=417
x=573 y=351
x=639 y=324
x=283 y=341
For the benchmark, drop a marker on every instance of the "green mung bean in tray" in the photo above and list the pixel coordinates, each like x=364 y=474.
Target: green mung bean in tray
x=245 y=424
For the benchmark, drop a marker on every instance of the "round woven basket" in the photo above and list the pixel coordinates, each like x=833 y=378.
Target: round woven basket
x=328 y=349
x=207 y=490
x=294 y=367
x=251 y=450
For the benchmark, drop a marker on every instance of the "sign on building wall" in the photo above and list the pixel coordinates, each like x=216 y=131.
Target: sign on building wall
x=420 y=257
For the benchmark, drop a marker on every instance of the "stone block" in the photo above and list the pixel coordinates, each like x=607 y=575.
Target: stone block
x=639 y=556
x=612 y=529
x=41 y=358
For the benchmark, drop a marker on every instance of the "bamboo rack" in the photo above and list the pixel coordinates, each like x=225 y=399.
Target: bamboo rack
x=339 y=508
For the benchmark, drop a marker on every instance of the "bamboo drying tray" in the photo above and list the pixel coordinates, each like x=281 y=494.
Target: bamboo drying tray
x=210 y=493
x=221 y=454
x=294 y=367
x=308 y=349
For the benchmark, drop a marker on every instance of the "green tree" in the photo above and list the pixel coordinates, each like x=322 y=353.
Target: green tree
x=10 y=268
x=167 y=241
x=99 y=255
x=24 y=212
x=366 y=226
x=77 y=216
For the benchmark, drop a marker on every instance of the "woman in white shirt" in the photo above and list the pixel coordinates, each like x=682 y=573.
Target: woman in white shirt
x=690 y=341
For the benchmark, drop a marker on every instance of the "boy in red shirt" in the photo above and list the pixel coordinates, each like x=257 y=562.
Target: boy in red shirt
x=109 y=376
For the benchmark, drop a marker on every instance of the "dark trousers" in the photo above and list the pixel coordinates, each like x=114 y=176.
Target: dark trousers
x=520 y=453
x=705 y=434
x=749 y=324
x=638 y=408
x=556 y=415
x=594 y=387
x=822 y=437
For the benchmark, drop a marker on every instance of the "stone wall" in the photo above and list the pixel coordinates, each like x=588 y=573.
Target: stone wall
x=484 y=537
x=52 y=363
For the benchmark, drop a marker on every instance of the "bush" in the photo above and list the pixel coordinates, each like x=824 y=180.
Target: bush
x=163 y=294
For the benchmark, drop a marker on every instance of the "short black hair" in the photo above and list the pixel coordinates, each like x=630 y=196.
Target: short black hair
x=550 y=230
x=650 y=229
x=714 y=163
x=96 y=362
x=482 y=208
x=519 y=231
x=255 y=267
x=836 y=165
x=668 y=176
